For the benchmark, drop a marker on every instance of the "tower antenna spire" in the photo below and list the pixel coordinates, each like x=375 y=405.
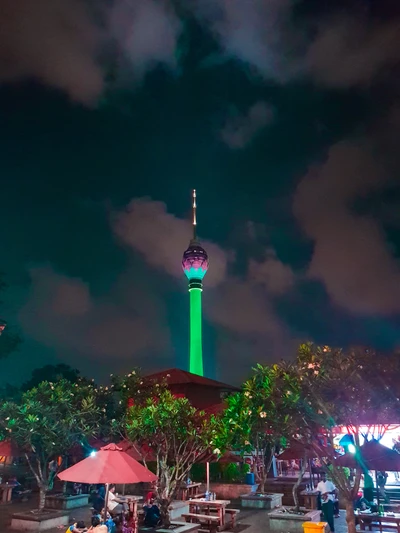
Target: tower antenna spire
x=194 y=220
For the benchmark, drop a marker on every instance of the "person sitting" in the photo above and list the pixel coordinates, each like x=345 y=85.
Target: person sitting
x=97 y=526
x=78 y=527
x=99 y=498
x=115 y=505
x=152 y=515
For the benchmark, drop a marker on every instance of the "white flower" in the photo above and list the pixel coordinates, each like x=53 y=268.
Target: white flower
x=316 y=372
x=246 y=442
x=133 y=372
x=216 y=451
x=249 y=412
x=263 y=414
x=311 y=365
x=247 y=393
x=129 y=375
x=8 y=418
x=289 y=392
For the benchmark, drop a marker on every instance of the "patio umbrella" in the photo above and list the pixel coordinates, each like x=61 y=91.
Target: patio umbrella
x=109 y=465
x=139 y=453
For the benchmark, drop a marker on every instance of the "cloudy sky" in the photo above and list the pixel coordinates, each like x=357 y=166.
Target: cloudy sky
x=283 y=114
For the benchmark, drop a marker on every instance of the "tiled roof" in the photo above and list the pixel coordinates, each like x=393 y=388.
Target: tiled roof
x=176 y=376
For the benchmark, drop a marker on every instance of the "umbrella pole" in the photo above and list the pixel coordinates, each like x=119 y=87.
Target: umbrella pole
x=311 y=474
x=123 y=489
x=106 y=502
x=208 y=476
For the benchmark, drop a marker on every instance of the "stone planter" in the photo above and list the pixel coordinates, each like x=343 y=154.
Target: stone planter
x=262 y=501
x=291 y=523
x=61 y=501
x=40 y=521
x=231 y=491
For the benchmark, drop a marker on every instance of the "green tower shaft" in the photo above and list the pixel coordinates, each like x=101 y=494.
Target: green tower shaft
x=196 y=343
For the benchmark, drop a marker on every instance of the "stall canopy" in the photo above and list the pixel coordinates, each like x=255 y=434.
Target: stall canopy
x=372 y=456
x=296 y=450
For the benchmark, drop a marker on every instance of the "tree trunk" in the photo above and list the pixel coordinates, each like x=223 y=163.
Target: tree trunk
x=42 y=497
x=297 y=484
x=350 y=517
x=164 y=512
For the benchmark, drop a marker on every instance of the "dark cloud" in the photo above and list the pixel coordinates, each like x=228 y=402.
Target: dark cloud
x=61 y=42
x=147 y=32
x=239 y=130
x=55 y=41
x=128 y=323
x=336 y=49
x=351 y=257
x=162 y=238
x=352 y=51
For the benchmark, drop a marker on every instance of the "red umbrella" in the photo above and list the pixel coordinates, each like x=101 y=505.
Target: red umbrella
x=9 y=449
x=139 y=453
x=109 y=465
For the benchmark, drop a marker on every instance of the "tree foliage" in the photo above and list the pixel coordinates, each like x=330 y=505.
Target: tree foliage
x=261 y=415
x=350 y=388
x=48 y=420
x=177 y=433
x=52 y=373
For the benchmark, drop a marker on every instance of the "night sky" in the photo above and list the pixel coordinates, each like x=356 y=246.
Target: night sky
x=283 y=114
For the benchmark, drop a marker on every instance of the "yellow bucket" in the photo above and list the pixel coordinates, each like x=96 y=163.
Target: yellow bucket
x=314 y=527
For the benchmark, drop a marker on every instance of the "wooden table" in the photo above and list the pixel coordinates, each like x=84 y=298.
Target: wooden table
x=384 y=522
x=132 y=502
x=310 y=499
x=189 y=491
x=200 y=504
x=6 y=490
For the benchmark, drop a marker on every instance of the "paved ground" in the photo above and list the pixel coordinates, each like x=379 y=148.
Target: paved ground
x=250 y=521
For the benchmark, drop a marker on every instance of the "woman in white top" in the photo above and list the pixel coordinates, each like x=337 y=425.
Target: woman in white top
x=115 y=505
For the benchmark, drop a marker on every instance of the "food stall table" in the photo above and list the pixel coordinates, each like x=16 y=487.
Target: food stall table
x=310 y=499
x=387 y=521
x=203 y=506
x=132 y=501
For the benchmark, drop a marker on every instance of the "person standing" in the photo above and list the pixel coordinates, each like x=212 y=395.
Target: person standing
x=368 y=487
x=327 y=491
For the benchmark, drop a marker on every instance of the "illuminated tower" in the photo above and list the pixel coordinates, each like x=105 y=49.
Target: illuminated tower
x=195 y=265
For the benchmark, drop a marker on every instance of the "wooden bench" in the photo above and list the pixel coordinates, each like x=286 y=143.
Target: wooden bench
x=381 y=524
x=233 y=514
x=211 y=521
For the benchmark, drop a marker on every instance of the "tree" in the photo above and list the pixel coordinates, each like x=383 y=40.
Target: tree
x=51 y=373
x=10 y=341
x=178 y=435
x=351 y=388
x=260 y=416
x=47 y=421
